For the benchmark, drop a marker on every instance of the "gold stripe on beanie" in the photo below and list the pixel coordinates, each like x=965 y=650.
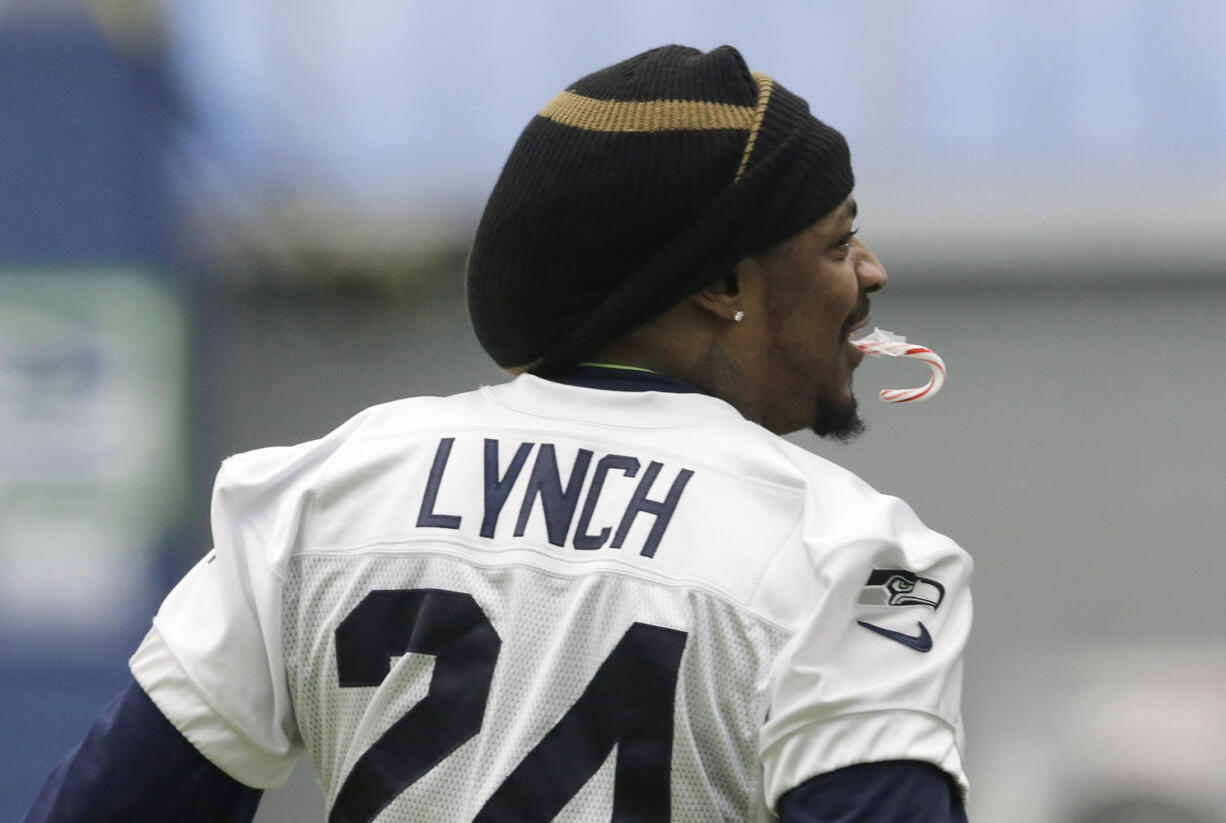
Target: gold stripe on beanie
x=590 y=114
x=765 y=84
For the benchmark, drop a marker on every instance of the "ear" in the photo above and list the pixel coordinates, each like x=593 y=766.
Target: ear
x=722 y=298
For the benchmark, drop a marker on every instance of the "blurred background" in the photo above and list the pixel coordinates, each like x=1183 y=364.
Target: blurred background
x=234 y=224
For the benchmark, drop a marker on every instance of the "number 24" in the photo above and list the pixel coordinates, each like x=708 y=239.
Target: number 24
x=629 y=700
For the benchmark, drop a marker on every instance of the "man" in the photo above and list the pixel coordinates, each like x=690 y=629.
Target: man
x=606 y=589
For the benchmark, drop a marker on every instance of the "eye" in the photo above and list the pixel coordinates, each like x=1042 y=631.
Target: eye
x=845 y=241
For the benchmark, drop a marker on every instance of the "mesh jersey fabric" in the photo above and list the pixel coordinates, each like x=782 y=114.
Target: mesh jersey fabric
x=567 y=515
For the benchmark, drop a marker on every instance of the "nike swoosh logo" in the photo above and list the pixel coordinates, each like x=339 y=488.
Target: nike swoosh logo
x=921 y=642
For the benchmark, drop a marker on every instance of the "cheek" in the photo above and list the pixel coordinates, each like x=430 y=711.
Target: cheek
x=825 y=320
x=831 y=289
x=807 y=310
x=844 y=291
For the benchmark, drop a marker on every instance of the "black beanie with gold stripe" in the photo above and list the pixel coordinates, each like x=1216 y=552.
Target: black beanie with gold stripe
x=637 y=186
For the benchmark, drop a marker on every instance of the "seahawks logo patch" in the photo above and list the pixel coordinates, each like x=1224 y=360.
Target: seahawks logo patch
x=898 y=587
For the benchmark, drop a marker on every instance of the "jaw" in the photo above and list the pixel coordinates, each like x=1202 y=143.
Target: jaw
x=783 y=383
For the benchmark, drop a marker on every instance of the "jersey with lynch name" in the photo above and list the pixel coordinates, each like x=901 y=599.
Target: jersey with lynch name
x=537 y=601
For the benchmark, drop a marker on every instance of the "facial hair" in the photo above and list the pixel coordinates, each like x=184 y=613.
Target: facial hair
x=837 y=418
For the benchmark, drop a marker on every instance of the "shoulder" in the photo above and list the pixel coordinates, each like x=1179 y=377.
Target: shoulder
x=278 y=467
x=267 y=495
x=822 y=474
x=849 y=533
x=836 y=498
x=849 y=509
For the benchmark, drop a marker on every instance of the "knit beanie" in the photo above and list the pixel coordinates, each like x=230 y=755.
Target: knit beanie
x=637 y=186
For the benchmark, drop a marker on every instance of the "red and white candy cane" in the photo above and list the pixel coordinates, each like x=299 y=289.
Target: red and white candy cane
x=882 y=343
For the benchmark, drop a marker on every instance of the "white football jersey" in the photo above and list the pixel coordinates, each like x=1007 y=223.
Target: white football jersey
x=537 y=601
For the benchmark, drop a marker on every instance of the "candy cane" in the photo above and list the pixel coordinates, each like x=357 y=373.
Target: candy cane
x=882 y=343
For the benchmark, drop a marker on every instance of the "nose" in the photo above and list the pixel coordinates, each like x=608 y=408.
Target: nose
x=869 y=270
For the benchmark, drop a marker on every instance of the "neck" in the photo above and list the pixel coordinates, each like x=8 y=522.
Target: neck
x=706 y=364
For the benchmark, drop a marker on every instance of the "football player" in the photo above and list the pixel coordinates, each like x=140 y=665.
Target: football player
x=607 y=589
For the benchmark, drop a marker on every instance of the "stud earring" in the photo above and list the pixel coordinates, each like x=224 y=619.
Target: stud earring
x=739 y=316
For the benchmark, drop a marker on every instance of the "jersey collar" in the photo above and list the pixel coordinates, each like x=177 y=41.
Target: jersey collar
x=612 y=397
x=621 y=378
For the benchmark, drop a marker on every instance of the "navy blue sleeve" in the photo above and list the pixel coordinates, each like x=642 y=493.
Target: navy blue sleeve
x=134 y=765
x=896 y=791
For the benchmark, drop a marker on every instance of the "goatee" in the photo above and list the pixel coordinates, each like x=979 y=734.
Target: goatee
x=837 y=419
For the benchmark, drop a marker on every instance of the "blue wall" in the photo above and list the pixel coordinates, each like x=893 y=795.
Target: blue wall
x=83 y=189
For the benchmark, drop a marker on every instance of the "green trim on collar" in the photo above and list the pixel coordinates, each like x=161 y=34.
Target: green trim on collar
x=616 y=366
